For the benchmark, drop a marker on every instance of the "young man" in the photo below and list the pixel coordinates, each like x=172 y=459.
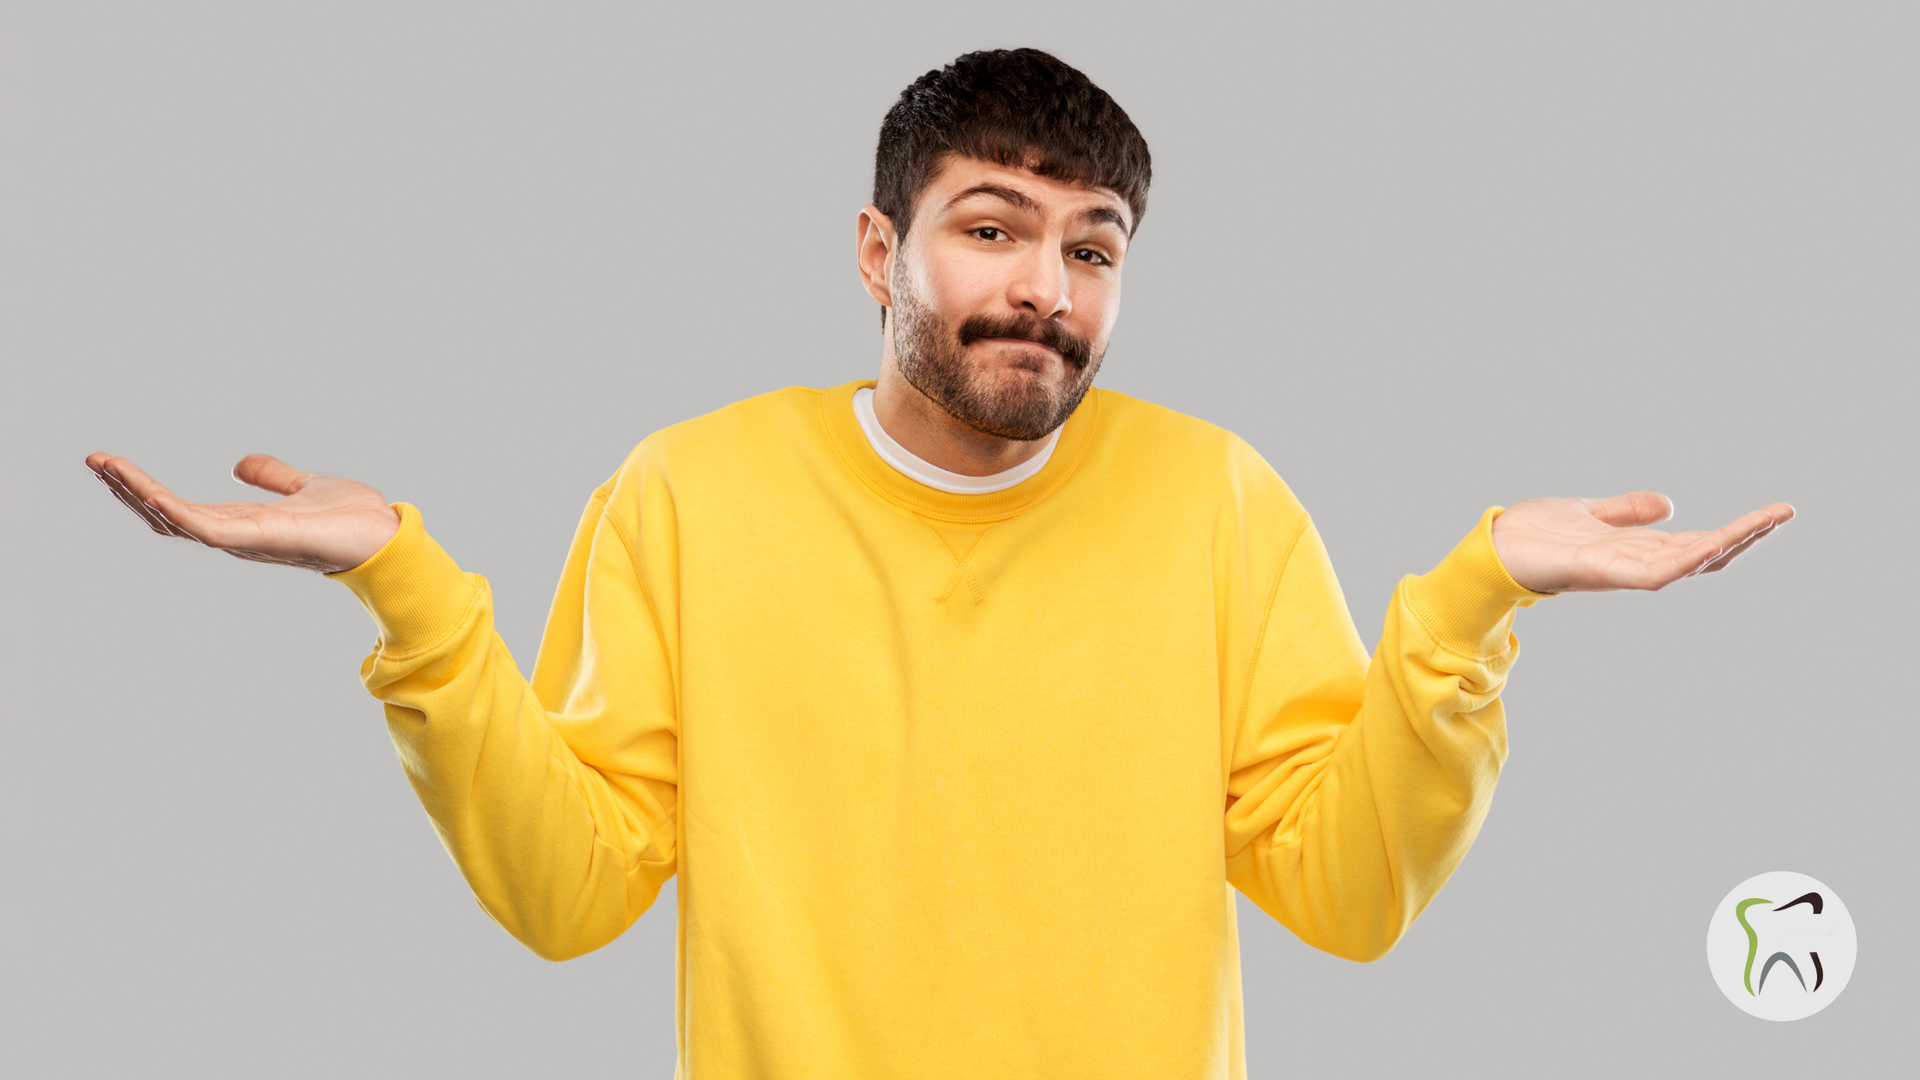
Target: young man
x=960 y=700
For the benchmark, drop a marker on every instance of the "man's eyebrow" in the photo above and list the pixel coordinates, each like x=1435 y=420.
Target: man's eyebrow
x=1104 y=215
x=1098 y=215
x=1004 y=194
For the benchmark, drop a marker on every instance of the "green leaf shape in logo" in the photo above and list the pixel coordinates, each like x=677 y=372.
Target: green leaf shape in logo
x=1753 y=939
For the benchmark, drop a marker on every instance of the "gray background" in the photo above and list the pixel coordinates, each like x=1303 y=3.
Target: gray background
x=1426 y=258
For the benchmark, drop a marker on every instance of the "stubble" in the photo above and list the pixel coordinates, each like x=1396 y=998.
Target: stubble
x=932 y=357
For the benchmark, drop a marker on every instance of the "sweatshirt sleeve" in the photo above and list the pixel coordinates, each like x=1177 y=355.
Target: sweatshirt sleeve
x=1356 y=788
x=556 y=798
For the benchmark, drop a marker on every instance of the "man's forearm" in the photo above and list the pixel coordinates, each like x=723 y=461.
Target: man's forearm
x=543 y=840
x=1368 y=818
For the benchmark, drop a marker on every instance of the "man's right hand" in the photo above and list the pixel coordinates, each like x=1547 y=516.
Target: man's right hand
x=324 y=523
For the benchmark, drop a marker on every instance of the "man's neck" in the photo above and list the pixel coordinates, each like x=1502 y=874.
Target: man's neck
x=934 y=436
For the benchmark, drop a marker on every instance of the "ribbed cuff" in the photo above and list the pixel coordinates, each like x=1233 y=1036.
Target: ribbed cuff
x=413 y=589
x=1466 y=599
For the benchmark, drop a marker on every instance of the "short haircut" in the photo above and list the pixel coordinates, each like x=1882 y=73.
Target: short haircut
x=1020 y=108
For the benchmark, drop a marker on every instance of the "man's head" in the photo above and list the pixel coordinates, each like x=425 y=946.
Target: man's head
x=1006 y=189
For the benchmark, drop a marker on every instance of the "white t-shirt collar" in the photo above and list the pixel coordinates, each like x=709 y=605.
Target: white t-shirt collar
x=918 y=468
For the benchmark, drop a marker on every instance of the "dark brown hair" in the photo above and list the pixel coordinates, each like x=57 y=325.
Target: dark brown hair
x=1020 y=108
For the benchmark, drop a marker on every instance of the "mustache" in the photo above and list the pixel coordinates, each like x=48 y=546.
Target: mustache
x=1075 y=350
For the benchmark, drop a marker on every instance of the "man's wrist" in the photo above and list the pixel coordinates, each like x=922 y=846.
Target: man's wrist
x=1467 y=600
x=413 y=589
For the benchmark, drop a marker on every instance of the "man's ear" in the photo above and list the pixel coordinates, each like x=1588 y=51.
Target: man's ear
x=874 y=250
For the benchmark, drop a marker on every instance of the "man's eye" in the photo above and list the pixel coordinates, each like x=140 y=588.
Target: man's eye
x=1091 y=256
x=988 y=233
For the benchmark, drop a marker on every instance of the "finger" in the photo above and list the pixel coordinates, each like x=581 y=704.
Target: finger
x=1720 y=561
x=1725 y=554
x=148 y=493
x=165 y=510
x=1658 y=574
x=270 y=474
x=193 y=520
x=125 y=498
x=129 y=474
x=1743 y=528
x=128 y=498
x=1633 y=508
x=1762 y=533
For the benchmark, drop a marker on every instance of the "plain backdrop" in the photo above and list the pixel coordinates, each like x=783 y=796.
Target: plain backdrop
x=1425 y=258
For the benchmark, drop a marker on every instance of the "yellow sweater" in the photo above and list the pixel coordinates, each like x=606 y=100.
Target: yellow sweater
x=955 y=785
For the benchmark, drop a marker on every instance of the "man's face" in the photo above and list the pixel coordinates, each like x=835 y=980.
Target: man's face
x=1005 y=293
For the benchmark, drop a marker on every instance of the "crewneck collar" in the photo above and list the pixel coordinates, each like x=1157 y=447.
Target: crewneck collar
x=926 y=472
x=891 y=484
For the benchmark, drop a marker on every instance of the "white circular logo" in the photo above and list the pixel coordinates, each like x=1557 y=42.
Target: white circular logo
x=1781 y=946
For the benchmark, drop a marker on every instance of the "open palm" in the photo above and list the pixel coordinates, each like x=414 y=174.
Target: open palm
x=323 y=523
x=1595 y=545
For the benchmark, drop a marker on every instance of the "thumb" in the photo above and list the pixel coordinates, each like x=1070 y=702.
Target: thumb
x=1633 y=508
x=270 y=474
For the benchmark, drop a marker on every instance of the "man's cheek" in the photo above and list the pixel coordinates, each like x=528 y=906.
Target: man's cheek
x=1099 y=326
x=970 y=285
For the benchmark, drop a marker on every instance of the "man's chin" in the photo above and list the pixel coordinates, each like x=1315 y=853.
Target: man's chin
x=1022 y=409
x=1022 y=391
x=1019 y=384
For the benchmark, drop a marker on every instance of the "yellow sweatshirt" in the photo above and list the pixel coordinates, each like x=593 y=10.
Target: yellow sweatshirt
x=955 y=785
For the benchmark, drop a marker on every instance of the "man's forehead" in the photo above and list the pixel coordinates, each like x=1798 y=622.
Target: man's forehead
x=956 y=176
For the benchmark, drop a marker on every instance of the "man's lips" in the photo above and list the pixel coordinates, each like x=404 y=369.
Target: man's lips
x=1020 y=341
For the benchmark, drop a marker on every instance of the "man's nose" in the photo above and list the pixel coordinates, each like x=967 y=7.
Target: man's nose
x=1041 y=285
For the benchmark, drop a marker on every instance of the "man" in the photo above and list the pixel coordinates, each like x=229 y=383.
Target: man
x=959 y=700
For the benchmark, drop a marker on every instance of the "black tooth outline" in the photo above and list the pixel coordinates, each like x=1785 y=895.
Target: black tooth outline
x=1811 y=899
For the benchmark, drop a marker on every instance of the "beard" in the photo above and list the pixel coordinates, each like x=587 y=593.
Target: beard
x=932 y=357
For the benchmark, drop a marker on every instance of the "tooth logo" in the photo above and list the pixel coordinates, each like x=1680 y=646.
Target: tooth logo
x=1781 y=946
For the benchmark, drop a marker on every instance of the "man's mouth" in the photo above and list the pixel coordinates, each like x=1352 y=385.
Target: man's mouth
x=1036 y=335
x=1022 y=341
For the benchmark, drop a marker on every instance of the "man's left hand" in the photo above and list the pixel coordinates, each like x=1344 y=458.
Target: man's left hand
x=1597 y=545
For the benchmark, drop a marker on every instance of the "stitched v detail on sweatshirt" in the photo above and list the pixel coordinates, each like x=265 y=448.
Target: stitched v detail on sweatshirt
x=961 y=542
